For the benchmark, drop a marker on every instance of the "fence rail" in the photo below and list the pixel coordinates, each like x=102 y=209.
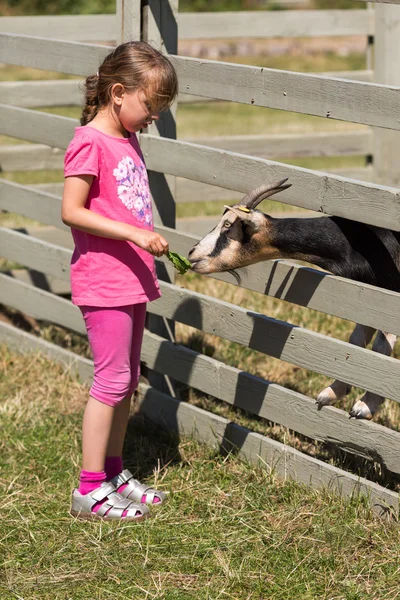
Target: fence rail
x=337 y=98
x=258 y=24
x=240 y=389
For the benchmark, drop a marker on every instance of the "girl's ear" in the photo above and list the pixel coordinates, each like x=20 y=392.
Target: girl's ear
x=117 y=93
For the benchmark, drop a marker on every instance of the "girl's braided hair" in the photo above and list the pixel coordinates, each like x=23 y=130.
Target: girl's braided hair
x=138 y=67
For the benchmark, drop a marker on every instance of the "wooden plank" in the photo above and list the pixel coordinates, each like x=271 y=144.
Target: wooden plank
x=159 y=18
x=214 y=430
x=273 y=402
x=286 y=145
x=39 y=156
x=314 y=190
x=88 y=28
x=31 y=157
x=32 y=94
x=42 y=281
x=296 y=345
x=35 y=126
x=357 y=366
x=22 y=342
x=128 y=17
x=386 y=57
x=40 y=304
x=68 y=92
x=341 y=99
x=267 y=24
x=49 y=54
x=32 y=203
x=92 y=28
x=354 y=101
x=381 y=1
x=30 y=252
x=318 y=290
x=287 y=462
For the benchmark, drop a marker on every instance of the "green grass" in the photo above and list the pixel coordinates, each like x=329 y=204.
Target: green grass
x=229 y=530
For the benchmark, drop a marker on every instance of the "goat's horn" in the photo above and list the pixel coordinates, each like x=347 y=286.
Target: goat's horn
x=253 y=198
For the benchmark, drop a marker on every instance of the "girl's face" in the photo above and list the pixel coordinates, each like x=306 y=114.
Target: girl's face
x=133 y=110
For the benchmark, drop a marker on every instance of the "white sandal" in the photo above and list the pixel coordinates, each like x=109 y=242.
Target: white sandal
x=135 y=490
x=113 y=507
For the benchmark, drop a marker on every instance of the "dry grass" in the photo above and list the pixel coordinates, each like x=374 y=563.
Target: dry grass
x=228 y=530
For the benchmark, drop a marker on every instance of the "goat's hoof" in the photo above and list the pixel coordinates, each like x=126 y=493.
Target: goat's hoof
x=366 y=407
x=326 y=398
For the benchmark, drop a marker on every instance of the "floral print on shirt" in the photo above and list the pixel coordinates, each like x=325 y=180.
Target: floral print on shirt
x=133 y=190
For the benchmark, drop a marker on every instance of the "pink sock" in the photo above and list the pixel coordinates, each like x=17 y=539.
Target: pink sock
x=90 y=480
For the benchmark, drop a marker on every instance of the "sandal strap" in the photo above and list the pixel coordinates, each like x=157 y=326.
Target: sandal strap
x=136 y=490
x=114 y=504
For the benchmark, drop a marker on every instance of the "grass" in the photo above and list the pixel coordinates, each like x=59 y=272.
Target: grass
x=229 y=530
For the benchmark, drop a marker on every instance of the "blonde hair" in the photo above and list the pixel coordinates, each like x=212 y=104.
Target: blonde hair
x=138 y=67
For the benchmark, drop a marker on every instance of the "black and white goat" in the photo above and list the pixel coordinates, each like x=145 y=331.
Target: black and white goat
x=365 y=253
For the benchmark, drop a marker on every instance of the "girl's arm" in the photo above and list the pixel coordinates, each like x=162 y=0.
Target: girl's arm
x=74 y=214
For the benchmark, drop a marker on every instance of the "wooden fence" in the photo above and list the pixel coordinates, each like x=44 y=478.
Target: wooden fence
x=168 y=158
x=206 y=26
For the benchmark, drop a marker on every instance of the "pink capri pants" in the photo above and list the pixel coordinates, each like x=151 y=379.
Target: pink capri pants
x=115 y=337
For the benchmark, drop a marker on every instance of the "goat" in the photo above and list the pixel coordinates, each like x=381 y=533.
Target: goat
x=365 y=253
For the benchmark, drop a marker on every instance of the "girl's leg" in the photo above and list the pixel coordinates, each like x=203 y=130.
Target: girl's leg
x=110 y=335
x=125 y=483
x=121 y=415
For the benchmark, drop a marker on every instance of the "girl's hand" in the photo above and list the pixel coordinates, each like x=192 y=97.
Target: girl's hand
x=151 y=241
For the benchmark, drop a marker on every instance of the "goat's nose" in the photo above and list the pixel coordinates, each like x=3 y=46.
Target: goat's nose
x=191 y=251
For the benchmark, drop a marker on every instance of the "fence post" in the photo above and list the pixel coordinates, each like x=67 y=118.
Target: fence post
x=387 y=59
x=128 y=20
x=160 y=29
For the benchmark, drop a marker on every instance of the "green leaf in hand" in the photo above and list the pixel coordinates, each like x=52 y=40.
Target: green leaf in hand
x=180 y=263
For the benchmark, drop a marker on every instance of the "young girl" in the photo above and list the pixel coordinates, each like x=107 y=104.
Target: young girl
x=107 y=204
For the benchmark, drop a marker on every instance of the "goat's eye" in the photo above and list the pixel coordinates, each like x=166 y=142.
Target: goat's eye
x=227 y=224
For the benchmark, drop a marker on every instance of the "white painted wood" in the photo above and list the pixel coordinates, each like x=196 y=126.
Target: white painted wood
x=272 y=402
x=35 y=126
x=315 y=289
x=270 y=24
x=354 y=101
x=68 y=92
x=23 y=342
x=381 y=1
x=285 y=145
x=160 y=29
x=212 y=429
x=32 y=203
x=387 y=57
x=49 y=54
x=40 y=304
x=42 y=256
x=92 y=28
x=84 y=28
x=36 y=157
x=128 y=21
x=30 y=157
x=287 y=462
x=321 y=192
x=33 y=94
x=357 y=366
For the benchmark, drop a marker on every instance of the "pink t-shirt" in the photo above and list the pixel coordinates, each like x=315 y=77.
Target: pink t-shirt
x=107 y=272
